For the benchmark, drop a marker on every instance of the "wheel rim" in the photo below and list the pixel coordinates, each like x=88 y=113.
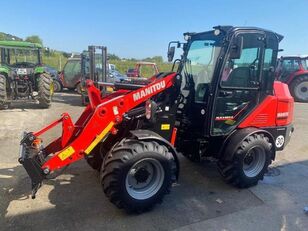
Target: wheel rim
x=144 y=179
x=254 y=161
x=56 y=86
x=301 y=90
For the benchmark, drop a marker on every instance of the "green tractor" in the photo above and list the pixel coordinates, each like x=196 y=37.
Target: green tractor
x=22 y=75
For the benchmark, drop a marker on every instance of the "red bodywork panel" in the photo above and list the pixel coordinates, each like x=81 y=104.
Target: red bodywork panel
x=275 y=110
x=293 y=75
x=97 y=120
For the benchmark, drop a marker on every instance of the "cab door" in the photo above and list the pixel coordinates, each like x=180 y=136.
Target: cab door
x=238 y=89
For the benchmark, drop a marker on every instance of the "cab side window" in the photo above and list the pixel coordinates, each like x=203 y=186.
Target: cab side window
x=243 y=72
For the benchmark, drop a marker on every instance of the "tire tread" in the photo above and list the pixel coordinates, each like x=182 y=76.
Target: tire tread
x=116 y=159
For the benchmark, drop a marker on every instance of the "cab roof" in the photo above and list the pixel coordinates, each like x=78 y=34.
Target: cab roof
x=231 y=29
x=294 y=57
x=20 y=44
x=235 y=28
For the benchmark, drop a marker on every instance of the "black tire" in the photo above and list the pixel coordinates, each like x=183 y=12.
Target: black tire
x=95 y=158
x=45 y=90
x=57 y=86
x=192 y=155
x=78 y=88
x=118 y=166
x=299 y=88
x=254 y=148
x=3 y=93
x=98 y=154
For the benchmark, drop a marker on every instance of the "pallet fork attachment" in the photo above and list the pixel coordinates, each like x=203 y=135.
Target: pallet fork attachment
x=78 y=140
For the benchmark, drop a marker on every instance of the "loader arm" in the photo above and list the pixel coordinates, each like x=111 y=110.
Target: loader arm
x=78 y=140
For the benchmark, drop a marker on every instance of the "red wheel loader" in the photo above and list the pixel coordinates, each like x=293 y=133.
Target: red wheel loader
x=222 y=102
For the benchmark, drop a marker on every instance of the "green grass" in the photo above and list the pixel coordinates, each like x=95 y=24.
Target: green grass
x=58 y=60
x=122 y=67
x=55 y=60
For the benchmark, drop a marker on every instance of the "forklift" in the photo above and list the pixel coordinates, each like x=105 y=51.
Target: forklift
x=222 y=102
x=94 y=67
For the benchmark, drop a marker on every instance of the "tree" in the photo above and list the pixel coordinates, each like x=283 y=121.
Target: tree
x=113 y=57
x=2 y=36
x=34 y=39
x=155 y=59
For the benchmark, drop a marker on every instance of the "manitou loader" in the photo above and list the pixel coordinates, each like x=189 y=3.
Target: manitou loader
x=222 y=102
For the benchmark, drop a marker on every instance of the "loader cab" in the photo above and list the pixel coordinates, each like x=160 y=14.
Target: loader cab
x=227 y=72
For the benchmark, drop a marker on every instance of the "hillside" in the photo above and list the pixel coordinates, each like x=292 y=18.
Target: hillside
x=4 y=36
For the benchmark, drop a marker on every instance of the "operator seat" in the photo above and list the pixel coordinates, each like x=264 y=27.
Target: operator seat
x=239 y=77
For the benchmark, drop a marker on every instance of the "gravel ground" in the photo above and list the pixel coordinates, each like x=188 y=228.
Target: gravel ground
x=200 y=200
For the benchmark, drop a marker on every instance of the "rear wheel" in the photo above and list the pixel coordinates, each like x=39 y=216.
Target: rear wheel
x=299 y=88
x=78 y=89
x=250 y=162
x=57 y=86
x=3 y=93
x=137 y=174
x=45 y=90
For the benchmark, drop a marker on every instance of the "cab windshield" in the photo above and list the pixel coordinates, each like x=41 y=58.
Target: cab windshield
x=71 y=69
x=201 y=60
x=15 y=57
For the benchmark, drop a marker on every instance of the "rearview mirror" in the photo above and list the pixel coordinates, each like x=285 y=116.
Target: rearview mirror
x=171 y=51
x=236 y=48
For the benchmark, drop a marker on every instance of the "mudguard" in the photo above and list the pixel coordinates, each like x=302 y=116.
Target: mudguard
x=150 y=135
x=235 y=139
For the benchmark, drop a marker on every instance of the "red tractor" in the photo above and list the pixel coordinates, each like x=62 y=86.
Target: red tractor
x=222 y=102
x=293 y=70
x=71 y=74
x=137 y=71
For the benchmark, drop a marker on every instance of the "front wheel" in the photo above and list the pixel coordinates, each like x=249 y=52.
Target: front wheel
x=250 y=162
x=299 y=89
x=45 y=90
x=3 y=93
x=137 y=174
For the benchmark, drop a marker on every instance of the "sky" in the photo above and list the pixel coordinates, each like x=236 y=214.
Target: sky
x=143 y=28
